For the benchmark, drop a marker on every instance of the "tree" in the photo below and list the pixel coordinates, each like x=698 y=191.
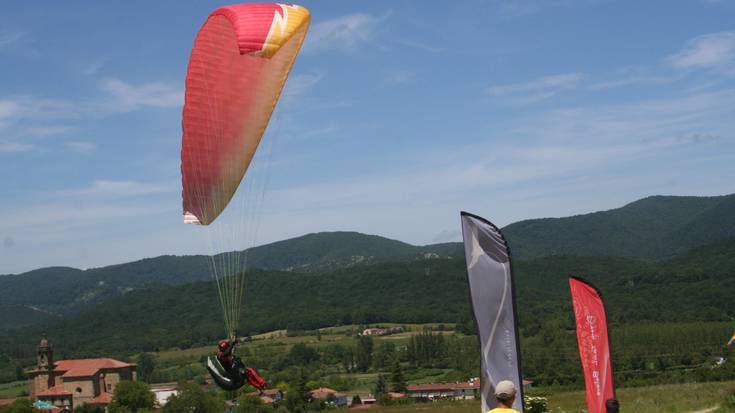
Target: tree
x=380 y=387
x=146 y=365
x=364 y=354
x=249 y=404
x=298 y=397
x=384 y=355
x=302 y=355
x=89 y=408
x=20 y=374
x=193 y=399
x=398 y=382
x=20 y=406
x=131 y=396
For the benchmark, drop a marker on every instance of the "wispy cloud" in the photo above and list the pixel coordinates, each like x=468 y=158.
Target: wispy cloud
x=15 y=147
x=447 y=235
x=542 y=147
x=519 y=8
x=299 y=84
x=118 y=189
x=343 y=33
x=421 y=46
x=535 y=90
x=701 y=138
x=92 y=67
x=81 y=146
x=636 y=80
x=32 y=117
x=8 y=108
x=713 y=50
x=129 y=97
x=8 y=38
x=401 y=77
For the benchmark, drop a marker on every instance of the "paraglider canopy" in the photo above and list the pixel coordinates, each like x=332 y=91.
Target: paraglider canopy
x=239 y=63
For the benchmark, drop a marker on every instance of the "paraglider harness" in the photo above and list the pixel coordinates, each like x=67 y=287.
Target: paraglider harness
x=228 y=371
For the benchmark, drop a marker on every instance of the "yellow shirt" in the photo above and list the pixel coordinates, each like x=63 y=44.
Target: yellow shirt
x=502 y=410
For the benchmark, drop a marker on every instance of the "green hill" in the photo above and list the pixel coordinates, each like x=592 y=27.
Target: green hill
x=697 y=286
x=67 y=290
x=652 y=228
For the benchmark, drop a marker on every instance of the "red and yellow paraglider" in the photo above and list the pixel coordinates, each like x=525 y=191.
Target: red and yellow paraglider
x=238 y=66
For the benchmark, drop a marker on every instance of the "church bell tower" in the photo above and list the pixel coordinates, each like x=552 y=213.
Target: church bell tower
x=45 y=356
x=42 y=378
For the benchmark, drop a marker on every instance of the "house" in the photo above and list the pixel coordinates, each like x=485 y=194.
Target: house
x=70 y=383
x=269 y=395
x=163 y=391
x=459 y=391
x=330 y=396
x=368 y=399
x=376 y=331
x=462 y=391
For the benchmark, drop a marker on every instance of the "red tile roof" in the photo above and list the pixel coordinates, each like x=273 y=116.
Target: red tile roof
x=266 y=392
x=87 y=367
x=57 y=390
x=322 y=392
x=103 y=398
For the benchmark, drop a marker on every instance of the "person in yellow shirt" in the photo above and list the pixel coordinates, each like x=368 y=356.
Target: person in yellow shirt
x=505 y=393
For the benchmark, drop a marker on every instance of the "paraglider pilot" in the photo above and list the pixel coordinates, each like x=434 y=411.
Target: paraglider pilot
x=230 y=372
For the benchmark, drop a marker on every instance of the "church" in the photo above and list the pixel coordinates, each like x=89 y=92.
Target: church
x=70 y=383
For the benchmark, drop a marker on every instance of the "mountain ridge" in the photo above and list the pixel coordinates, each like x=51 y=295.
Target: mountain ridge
x=650 y=229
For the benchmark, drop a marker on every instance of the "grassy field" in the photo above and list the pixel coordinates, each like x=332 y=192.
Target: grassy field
x=280 y=339
x=14 y=389
x=675 y=398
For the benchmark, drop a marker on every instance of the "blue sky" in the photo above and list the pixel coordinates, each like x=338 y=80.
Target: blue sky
x=397 y=116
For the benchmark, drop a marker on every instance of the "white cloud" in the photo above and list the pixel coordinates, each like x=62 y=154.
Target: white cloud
x=421 y=46
x=342 y=33
x=713 y=50
x=8 y=38
x=15 y=147
x=539 y=150
x=401 y=77
x=299 y=84
x=535 y=90
x=130 y=97
x=80 y=146
x=24 y=117
x=119 y=189
x=519 y=8
x=8 y=109
x=447 y=235
x=636 y=80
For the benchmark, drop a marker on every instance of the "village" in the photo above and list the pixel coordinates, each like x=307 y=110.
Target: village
x=65 y=385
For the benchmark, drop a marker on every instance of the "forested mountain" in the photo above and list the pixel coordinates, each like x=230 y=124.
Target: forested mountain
x=697 y=286
x=66 y=290
x=652 y=228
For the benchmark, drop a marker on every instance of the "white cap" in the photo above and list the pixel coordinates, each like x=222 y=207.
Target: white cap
x=505 y=389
